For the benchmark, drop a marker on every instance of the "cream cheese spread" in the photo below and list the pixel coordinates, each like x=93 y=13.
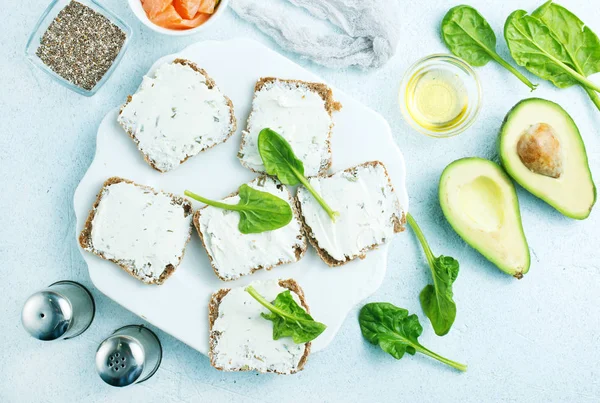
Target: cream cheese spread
x=299 y=115
x=175 y=115
x=141 y=229
x=367 y=205
x=243 y=339
x=235 y=254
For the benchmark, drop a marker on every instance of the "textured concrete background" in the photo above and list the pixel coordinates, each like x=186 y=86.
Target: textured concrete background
x=531 y=340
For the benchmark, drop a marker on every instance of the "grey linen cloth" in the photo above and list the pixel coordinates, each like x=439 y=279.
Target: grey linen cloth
x=350 y=32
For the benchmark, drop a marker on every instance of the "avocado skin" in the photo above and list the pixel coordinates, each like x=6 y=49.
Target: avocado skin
x=517 y=273
x=507 y=166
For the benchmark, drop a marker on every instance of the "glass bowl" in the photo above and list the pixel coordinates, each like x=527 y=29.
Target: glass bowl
x=44 y=22
x=452 y=65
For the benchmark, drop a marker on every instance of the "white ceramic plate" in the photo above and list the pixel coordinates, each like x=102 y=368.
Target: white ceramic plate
x=179 y=306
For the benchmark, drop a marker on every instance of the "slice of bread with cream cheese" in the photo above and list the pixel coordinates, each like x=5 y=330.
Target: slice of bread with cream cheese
x=176 y=114
x=142 y=230
x=233 y=254
x=240 y=339
x=301 y=112
x=370 y=213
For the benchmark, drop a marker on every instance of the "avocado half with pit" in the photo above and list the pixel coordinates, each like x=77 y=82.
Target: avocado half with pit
x=541 y=148
x=480 y=202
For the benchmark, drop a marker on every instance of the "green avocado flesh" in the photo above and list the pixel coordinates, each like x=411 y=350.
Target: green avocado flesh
x=541 y=149
x=480 y=202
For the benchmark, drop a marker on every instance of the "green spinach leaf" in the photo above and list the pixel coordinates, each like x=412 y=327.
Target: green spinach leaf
x=436 y=300
x=289 y=319
x=396 y=332
x=469 y=36
x=580 y=42
x=533 y=46
x=259 y=211
x=279 y=160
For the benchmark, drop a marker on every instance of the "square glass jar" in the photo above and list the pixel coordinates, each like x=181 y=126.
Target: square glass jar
x=55 y=7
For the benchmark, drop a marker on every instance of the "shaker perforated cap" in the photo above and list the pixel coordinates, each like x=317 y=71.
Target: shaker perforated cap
x=132 y=354
x=120 y=360
x=47 y=315
x=63 y=310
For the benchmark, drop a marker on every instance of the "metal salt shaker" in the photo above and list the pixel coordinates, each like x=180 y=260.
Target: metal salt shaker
x=132 y=354
x=63 y=310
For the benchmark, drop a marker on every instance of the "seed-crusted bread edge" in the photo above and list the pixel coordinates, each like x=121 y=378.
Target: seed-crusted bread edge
x=210 y=84
x=85 y=237
x=399 y=223
x=213 y=314
x=299 y=252
x=331 y=106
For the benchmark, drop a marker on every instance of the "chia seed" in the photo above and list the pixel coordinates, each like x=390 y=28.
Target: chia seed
x=80 y=45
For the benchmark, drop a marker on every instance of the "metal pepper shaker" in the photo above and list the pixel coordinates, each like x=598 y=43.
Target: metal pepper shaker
x=63 y=310
x=132 y=354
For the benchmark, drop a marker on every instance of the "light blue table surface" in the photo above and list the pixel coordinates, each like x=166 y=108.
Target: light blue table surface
x=533 y=340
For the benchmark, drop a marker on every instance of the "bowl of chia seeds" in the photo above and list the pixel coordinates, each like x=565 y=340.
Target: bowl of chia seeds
x=78 y=43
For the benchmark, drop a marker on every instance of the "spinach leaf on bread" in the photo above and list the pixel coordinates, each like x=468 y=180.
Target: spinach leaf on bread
x=289 y=319
x=259 y=211
x=279 y=160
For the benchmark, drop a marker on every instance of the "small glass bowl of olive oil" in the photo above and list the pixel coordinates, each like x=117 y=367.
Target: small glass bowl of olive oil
x=440 y=95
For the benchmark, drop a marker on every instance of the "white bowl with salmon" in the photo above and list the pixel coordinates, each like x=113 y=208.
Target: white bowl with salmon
x=178 y=17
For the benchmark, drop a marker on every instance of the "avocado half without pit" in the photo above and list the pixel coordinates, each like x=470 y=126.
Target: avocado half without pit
x=541 y=148
x=480 y=202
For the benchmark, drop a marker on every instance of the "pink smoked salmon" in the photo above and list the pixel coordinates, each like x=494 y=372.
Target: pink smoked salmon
x=179 y=14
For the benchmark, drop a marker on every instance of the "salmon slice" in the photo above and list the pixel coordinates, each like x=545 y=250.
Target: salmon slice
x=199 y=19
x=155 y=7
x=187 y=9
x=170 y=19
x=207 y=6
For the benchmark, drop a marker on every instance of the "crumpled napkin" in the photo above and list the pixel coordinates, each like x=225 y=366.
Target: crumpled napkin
x=350 y=32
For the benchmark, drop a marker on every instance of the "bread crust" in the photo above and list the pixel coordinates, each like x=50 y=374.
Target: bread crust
x=399 y=223
x=210 y=84
x=322 y=90
x=85 y=237
x=299 y=252
x=213 y=314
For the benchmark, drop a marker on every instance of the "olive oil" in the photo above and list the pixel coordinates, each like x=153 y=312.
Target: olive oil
x=436 y=99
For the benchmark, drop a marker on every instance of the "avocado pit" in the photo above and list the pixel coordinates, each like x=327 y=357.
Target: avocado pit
x=540 y=151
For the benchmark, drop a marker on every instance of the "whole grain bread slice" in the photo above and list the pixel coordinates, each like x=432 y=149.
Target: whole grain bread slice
x=85 y=237
x=399 y=223
x=210 y=84
x=331 y=105
x=299 y=251
x=213 y=314
x=322 y=89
